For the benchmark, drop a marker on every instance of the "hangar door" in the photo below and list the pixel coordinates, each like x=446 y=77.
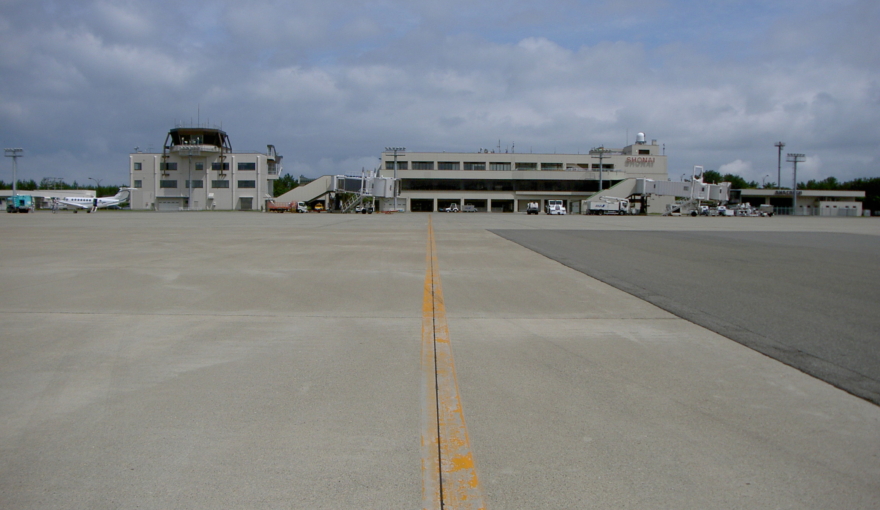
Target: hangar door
x=168 y=204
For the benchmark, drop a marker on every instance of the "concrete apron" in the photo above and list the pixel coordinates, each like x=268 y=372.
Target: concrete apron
x=265 y=361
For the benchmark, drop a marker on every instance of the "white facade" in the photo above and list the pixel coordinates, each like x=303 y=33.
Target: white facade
x=809 y=202
x=197 y=170
x=507 y=182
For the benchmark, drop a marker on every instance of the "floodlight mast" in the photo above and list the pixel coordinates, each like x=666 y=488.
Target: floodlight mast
x=779 y=145
x=794 y=158
x=395 y=150
x=601 y=150
x=14 y=154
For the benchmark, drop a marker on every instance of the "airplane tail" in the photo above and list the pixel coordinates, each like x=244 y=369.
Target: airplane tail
x=123 y=195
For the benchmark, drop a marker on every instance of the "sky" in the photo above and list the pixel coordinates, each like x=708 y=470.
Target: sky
x=331 y=84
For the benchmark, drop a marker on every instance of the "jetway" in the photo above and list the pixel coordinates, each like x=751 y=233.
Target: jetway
x=682 y=196
x=367 y=185
x=365 y=188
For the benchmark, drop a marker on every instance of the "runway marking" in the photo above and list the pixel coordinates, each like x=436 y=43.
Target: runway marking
x=449 y=477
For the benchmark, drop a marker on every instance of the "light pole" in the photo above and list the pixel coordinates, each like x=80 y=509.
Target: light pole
x=395 y=150
x=601 y=151
x=779 y=145
x=14 y=154
x=97 y=184
x=794 y=158
x=764 y=181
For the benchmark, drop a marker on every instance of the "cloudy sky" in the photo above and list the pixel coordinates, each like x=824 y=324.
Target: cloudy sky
x=330 y=84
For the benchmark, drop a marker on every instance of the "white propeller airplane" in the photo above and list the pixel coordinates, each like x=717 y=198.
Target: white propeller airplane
x=93 y=204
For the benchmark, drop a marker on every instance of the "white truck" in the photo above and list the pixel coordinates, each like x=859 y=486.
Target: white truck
x=533 y=208
x=606 y=205
x=555 y=207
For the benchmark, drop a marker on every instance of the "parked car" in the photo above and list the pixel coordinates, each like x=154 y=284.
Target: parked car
x=469 y=208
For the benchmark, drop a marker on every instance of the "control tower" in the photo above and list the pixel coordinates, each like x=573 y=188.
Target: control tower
x=198 y=170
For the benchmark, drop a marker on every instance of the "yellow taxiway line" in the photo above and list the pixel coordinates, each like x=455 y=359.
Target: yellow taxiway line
x=449 y=477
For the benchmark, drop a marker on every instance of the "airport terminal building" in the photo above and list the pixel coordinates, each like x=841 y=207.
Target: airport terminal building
x=198 y=170
x=507 y=182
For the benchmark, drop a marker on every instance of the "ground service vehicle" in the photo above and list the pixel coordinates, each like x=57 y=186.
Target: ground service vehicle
x=533 y=208
x=451 y=208
x=279 y=207
x=469 y=208
x=607 y=205
x=555 y=207
x=20 y=204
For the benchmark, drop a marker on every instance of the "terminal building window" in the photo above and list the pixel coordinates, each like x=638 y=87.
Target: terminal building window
x=247 y=166
x=200 y=166
x=196 y=183
x=137 y=165
x=477 y=165
x=167 y=183
x=138 y=184
x=507 y=185
x=219 y=166
x=168 y=166
x=422 y=165
x=447 y=165
x=221 y=183
x=551 y=166
x=247 y=184
x=500 y=167
x=401 y=165
x=526 y=166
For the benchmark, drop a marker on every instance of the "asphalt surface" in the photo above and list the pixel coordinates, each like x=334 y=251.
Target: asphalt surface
x=262 y=361
x=808 y=299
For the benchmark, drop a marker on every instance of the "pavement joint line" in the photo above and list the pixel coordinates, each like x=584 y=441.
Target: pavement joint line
x=449 y=475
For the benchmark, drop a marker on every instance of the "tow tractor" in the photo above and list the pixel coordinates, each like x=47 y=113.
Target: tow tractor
x=555 y=207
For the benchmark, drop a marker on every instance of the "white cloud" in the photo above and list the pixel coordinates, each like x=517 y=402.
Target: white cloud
x=809 y=169
x=738 y=167
x=331 y=84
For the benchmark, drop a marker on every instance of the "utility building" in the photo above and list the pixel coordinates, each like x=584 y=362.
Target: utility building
x=198 y=170
x=507 y=182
